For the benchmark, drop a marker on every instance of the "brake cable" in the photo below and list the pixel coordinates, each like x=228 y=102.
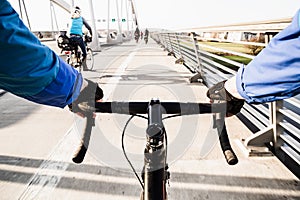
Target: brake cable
x=124 y=152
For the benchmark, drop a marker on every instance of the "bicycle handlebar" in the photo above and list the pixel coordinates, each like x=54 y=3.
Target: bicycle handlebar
x=179 y=108
x=81 y=151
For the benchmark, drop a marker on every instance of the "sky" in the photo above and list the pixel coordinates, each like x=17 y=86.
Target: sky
x=166 y=14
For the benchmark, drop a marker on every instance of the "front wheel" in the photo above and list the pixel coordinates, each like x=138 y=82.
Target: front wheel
x=142 y=195
x=89 y=59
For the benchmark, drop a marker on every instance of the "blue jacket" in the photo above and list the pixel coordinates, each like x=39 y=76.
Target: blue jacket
x=31 y=70
x=76 y=27
x=274 y=74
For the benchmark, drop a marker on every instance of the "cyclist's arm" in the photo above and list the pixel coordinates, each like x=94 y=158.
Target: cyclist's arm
x=274 y=74
x=31 y=70
x=87 y=26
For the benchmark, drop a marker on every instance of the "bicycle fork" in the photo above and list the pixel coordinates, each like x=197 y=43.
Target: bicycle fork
x=155 y=174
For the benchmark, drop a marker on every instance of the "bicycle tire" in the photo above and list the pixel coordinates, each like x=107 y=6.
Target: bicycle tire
x=90 y=59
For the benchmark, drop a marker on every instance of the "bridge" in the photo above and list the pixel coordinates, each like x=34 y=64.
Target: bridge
x=37 y=142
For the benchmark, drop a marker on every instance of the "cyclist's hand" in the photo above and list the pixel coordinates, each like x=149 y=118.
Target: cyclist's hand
x=87 y=98
x=218 y=93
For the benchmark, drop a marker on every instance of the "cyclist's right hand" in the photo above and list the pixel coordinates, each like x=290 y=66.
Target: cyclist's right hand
x=88 y=96
x=218 y=93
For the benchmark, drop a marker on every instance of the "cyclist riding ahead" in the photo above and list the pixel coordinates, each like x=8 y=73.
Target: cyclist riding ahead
x=146 y=36
x=76 y=34
x=137 y=34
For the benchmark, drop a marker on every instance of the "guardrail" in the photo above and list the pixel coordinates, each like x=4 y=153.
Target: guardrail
x=276 y=125
x=111 y=39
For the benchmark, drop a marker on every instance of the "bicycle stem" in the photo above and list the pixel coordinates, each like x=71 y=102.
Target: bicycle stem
x=155 y=172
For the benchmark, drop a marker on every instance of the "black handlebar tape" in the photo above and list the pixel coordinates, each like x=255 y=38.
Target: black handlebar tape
x=228 y=152
x=170 y=107
x=82 y=149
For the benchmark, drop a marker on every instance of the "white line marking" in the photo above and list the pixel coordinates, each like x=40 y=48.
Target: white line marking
x=42 y=183
x=111 y=85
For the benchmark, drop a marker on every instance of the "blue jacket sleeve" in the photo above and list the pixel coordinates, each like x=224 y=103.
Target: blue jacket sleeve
x=274 y=74
x=31 y=70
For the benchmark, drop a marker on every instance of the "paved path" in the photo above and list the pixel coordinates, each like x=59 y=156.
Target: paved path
x=37 y=142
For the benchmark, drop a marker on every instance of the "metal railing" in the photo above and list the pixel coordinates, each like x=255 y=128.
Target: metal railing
x=276 y=124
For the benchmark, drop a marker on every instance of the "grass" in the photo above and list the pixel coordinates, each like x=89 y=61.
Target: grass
x=239 y=59
x=228 y=46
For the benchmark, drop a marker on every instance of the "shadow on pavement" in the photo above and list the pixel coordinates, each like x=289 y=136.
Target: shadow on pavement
x=203 y=186
x=14 y=109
